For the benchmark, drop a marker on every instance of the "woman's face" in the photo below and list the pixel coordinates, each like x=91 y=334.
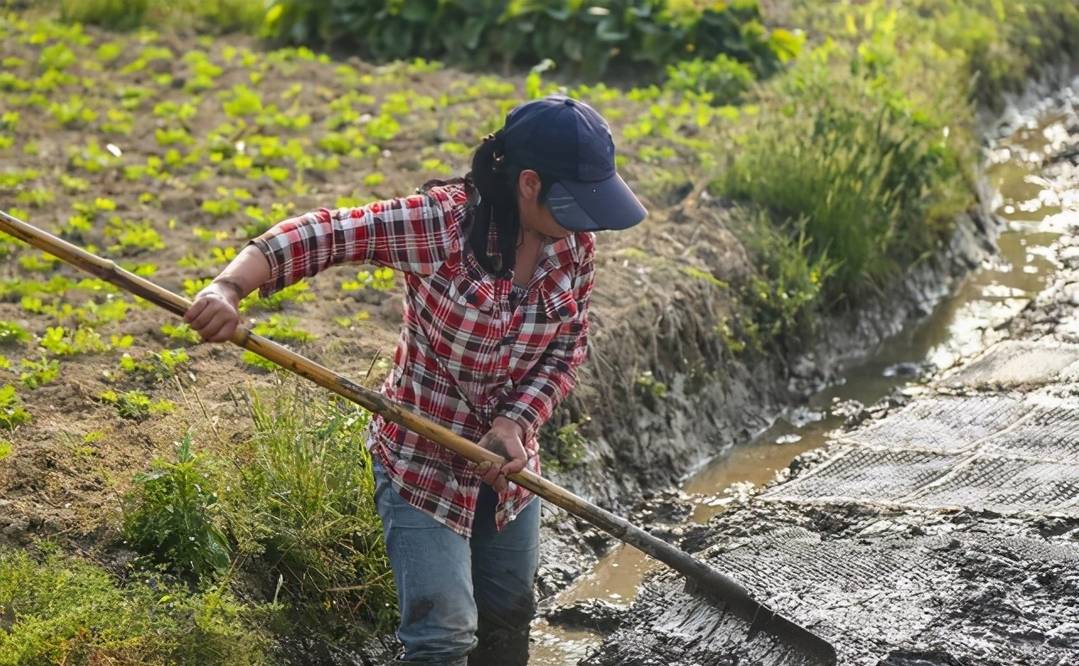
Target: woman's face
x=536 y=216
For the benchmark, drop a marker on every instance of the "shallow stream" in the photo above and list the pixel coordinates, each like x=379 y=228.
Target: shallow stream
x=967 y=320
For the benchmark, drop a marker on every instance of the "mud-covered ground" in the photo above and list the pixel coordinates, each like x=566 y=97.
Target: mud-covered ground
x=943 y=531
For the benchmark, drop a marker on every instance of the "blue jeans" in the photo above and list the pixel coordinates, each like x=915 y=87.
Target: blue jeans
x=463 y=601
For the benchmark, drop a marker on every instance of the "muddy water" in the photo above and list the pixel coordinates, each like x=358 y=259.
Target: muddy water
x=968 y=320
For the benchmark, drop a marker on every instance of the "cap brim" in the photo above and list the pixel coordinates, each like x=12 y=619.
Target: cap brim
x=603 y=205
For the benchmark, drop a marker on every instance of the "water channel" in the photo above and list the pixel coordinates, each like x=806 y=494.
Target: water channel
x=965 y=322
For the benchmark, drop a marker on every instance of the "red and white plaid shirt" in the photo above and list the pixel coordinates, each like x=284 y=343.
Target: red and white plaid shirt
x=465 y=355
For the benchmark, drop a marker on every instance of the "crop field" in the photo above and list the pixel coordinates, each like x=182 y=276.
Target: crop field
x=166 y=155
x=228 y=496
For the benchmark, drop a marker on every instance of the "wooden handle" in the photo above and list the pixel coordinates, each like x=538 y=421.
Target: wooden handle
x=709 y=581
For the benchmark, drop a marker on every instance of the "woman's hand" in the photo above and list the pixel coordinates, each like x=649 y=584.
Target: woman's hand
x=215 y=314
x=506 y=439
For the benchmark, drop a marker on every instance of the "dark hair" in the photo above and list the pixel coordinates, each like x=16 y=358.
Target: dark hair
x=492 y=200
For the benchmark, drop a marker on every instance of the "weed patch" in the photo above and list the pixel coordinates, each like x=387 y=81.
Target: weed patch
x=304 y=502
x=169 y=516
x=65 y=610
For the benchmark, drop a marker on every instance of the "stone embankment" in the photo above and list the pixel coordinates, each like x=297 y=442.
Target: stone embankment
x=943 y=530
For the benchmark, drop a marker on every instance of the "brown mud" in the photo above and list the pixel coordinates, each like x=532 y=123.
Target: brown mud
x=944 y=530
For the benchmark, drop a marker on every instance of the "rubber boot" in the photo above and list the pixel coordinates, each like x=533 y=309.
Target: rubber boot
x=500 y=643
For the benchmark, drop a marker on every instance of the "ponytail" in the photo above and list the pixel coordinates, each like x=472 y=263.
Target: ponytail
x=492 y=213
x=496 y=185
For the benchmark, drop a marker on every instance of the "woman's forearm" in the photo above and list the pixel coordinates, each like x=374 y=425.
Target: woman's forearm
x=245 y=273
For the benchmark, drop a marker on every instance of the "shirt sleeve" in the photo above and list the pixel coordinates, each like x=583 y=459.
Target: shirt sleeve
x=555 y=373
x=413 y=234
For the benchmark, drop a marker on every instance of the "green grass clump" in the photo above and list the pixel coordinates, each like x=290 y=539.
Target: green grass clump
x=305 y=502
x=207 y=15
x=875 y=180
x=170 y=516
x=782 y=301
x=64 y=610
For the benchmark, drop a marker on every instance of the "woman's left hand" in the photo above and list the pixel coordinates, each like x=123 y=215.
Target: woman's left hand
x=506 y=439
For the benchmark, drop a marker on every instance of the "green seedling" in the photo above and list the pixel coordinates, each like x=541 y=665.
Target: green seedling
x=60 y=341
x=283 y=329
x=299 y=292
x=210 y=236
x=242 y=102
x=132 y=237
x=181 y=333
x=73 y=112
x=173 y=136
x=193 y=286
x=135 y=405
x=350 y=321
x=380 y=279
x=74 y=184
x=157 y=366
x=12 y=413
x=12 y=333
x=38 y=373
x=11 y=180
x=218 y=257
x=41 y=262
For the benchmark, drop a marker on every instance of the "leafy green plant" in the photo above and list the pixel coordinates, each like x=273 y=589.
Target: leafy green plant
x=180 y=332
x=157 y=366
x=12 y=333
x=12 y=413
x=587 y=37
x=564 y=447
x=723 y=78
x=282 y=328
x=135 y=405
x=60 y=341
x=170 y=516
x=298 y=292
x=782 y=301
x=38 y=373
x=380 y=279
x=5 y=448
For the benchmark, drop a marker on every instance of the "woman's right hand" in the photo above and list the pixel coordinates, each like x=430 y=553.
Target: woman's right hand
x=215 y=314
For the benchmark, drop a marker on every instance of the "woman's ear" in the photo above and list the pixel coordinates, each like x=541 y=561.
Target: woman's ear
x=529 y=186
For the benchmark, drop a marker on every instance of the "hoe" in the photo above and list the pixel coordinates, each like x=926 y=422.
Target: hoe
x=701 y=578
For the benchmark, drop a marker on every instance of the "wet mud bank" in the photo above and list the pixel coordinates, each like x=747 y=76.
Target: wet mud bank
x=662 y=394
x=941 y=530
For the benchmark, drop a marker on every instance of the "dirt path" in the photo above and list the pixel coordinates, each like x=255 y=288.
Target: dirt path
x=945 y=532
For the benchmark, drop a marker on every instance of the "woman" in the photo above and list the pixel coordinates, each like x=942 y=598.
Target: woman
x=498 y=268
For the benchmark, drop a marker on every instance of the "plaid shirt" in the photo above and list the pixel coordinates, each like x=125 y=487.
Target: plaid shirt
x=465 y=354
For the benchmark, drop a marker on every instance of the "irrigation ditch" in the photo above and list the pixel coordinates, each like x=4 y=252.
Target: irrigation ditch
x=894 y=560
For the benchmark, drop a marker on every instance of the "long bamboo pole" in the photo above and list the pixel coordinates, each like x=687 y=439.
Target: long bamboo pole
x=717 y=586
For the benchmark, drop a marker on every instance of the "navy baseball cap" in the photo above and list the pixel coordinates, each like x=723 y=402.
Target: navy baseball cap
x=567 y=140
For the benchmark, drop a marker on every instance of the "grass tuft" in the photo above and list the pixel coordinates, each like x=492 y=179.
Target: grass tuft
x=304 y=501
x=64 y=610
